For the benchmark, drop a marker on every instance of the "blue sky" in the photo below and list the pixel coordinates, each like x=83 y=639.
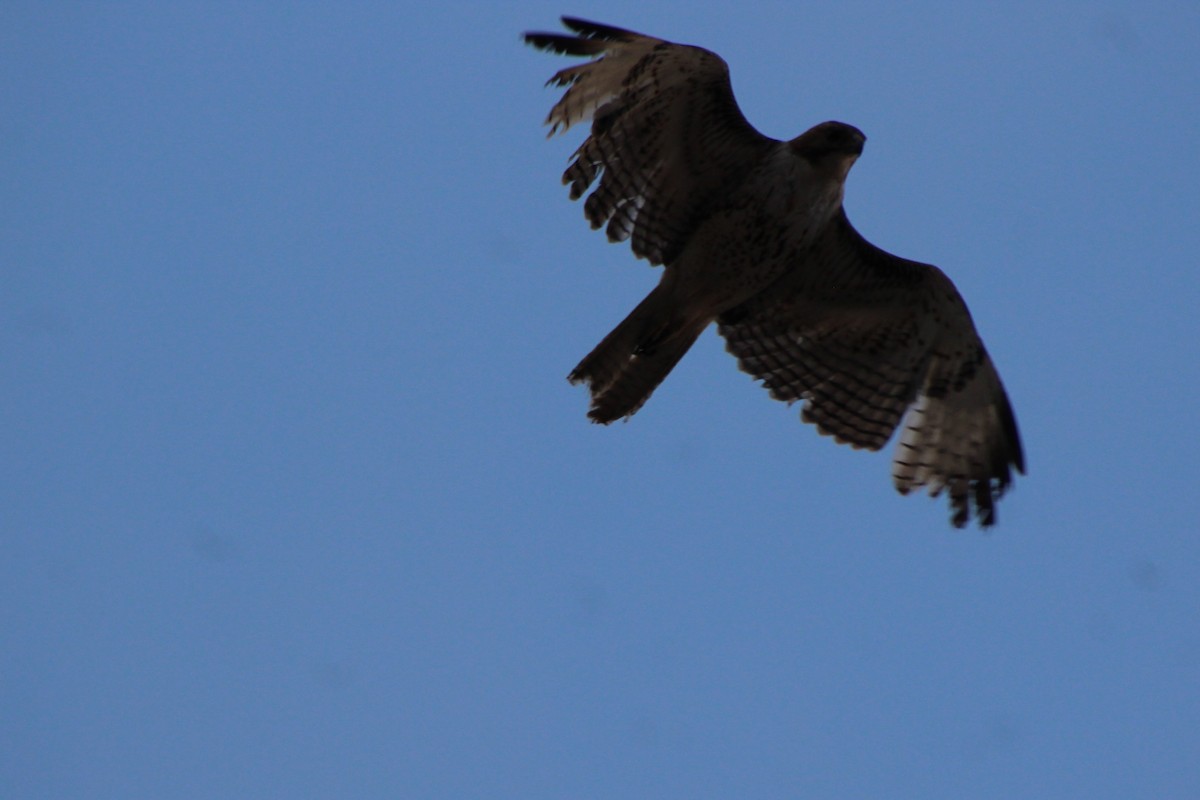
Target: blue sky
x=295 y=500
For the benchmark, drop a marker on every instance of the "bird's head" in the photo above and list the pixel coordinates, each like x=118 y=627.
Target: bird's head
x=832 y=146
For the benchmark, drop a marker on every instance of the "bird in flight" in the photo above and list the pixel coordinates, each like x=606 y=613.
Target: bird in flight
x=752 y=235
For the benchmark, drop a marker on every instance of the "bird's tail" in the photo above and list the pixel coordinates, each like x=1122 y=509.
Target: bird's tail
x=629 y=364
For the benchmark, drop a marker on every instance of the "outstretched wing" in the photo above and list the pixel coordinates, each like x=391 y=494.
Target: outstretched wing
x=668 y=141
x=862 y=337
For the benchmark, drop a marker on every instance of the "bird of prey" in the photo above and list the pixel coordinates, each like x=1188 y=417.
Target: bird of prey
x=752 y=235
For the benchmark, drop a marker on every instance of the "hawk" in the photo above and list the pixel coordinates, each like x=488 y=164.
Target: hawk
x=752 y=235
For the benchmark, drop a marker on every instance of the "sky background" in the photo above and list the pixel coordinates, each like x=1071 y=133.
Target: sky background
x=295 y=500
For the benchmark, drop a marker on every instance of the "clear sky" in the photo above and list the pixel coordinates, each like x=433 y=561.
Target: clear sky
x=295 y=500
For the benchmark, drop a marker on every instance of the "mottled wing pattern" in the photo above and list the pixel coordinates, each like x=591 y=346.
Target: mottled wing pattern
x=668 y=141
x=862 y=337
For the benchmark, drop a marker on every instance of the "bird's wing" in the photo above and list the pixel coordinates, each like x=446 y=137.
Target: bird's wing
x=668 y=141
x=862 y=337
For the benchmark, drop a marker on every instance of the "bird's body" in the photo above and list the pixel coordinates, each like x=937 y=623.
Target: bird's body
x=752 y=235
x=725 y=262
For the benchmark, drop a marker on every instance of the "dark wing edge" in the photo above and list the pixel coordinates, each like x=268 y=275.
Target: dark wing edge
x=667 y=140
x=960 y=436
x=872 y=342
x=592 y=39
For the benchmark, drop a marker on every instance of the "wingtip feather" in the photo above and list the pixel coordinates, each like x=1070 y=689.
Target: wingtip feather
x=597 y=30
